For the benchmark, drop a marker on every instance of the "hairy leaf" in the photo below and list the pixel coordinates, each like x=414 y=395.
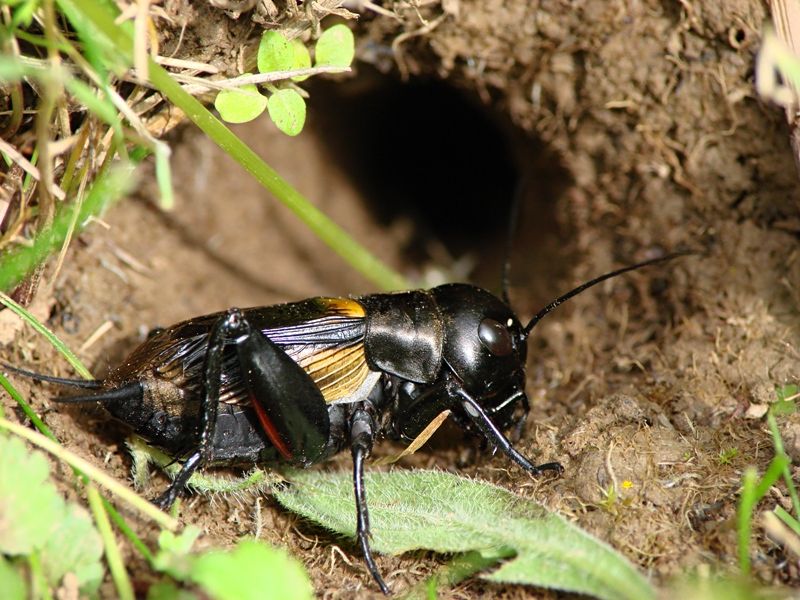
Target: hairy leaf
x=446 y=513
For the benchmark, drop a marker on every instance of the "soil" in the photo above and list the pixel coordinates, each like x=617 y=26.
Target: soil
x=632 y=128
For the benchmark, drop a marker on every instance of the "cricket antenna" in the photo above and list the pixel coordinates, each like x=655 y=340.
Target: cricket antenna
x=81 y=383
x=584 y=286
x=513 y=217
x=127 y=393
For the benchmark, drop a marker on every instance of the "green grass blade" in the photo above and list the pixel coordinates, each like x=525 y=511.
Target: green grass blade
x=319 y=223
x=41 y=590
x=744 y=516
x=788 y=520
x=773 y=472
x=101 y=107
x=17 y=264
x=126 y=530
x=753 y=491
x=164 y=176
x=113 y=557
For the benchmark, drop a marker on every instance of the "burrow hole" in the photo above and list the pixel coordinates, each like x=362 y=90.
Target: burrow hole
x=448 y=167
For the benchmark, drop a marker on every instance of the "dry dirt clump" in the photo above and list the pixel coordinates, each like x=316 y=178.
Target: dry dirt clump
x=651 y=390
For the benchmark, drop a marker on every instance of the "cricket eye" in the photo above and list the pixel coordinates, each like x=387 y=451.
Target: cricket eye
x=495 y=337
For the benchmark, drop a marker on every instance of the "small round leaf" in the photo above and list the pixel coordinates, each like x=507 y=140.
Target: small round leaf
x=335 y=47
x=275 y=53
x=302 y=59
x=240 y=105
x=288 y=110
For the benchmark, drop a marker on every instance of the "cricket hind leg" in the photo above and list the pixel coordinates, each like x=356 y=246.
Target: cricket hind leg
x=225 y=328
x=362 y=434
x=290 y=407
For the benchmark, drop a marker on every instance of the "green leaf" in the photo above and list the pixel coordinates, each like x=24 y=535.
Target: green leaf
x=240 y=105
x=34 y=517
x=302 y=59
x=445 y=513
x=23 y=15
x=275 y=53
x=178 y=544
x=166 y=590
x=75 y=547
x=252 y=570
x=287 y=109
x=335 y=47
x=11 y=582
x=29 y=504
x=173 y=556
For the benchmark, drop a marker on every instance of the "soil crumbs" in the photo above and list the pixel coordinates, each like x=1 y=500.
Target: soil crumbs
x=654 y=386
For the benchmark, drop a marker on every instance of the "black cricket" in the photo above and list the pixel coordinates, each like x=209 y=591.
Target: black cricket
x=294 y=384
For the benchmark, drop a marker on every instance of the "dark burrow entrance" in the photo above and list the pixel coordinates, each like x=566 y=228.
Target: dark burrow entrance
x=445 y=167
